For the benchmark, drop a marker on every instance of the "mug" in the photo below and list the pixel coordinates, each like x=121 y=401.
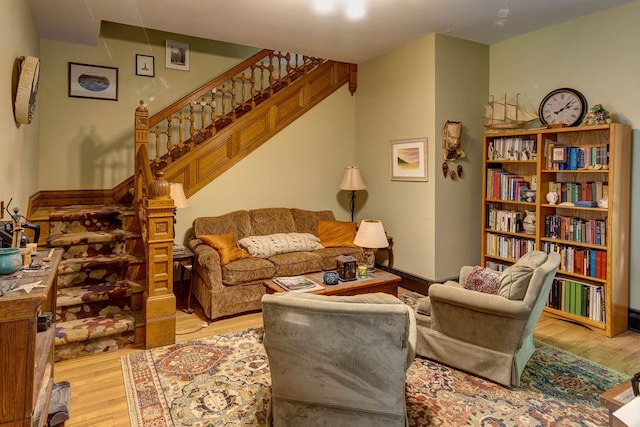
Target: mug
x=635 y=383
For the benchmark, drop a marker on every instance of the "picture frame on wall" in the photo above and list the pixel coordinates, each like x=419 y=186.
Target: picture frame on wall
x=145 y=65
x=177 y=55
x=93 y=81
x=409 y=159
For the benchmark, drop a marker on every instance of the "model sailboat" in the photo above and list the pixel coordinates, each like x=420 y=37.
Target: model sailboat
x=504 y=116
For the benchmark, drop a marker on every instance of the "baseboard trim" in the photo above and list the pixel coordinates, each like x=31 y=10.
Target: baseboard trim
x=634 y=320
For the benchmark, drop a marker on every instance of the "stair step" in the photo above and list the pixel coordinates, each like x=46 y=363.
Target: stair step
x=82 y=218
x=103 y=291
x=93 y=327
x=90 y=270
x=89 y=244
x=94 y=309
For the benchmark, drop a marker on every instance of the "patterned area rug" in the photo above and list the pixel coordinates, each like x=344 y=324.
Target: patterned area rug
x=224 y=381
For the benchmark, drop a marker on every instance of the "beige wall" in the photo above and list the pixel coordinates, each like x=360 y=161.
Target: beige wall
x=596 y=54
x=19 y=142
x=88 y=143
x=404 y=94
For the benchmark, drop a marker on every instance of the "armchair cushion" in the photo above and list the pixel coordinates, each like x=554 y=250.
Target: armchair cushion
x=515 y=279
x=336 y=233
x=483 y=280
x=225 y=245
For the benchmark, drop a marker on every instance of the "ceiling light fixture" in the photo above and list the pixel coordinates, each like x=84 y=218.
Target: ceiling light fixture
x=324 y=7
x=353 y=9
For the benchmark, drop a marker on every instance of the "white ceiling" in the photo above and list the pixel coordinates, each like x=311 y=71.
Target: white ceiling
x=292 y=25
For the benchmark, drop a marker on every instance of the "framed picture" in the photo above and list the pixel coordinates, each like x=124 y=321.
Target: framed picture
x=93 y=81
x=409 y=159
x=145 y=65
x=177 y=55
x=559 y=154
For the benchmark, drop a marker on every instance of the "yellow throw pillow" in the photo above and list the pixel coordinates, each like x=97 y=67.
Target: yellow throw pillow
x=225 y=244
x=334 y=234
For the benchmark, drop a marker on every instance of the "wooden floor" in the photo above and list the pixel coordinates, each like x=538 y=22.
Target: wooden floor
x=97 y=388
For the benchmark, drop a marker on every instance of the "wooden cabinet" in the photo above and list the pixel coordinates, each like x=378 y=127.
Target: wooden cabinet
x=581 y=165
x=26 y=355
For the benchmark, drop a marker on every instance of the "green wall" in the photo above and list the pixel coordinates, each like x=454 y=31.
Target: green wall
x=596 y=54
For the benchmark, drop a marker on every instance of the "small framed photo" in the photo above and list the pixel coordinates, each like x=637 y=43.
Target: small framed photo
x=559 y=155
x=409 y=159
x=527 y=195
x=145 y=65
x=93 y=81
x=177 y=55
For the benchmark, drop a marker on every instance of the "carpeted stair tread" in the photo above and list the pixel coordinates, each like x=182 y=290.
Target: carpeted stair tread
x=75 y=212
x=93 y=328
x=88 y=237
x=94 y=309
x=97 y=292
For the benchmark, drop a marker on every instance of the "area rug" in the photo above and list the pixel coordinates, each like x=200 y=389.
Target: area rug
x=224 y=381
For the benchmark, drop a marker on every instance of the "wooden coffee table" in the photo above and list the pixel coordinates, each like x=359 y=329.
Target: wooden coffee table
x=378 y=281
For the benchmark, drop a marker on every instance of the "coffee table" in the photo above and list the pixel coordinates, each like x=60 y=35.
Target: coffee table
x=378 y=281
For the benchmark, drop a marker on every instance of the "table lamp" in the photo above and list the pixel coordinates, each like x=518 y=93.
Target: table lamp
x=352 y=181
x=371 y=236
x=179 y=200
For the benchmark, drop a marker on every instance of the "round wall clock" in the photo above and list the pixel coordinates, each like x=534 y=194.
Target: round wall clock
x=25 y=104
x=563 y=106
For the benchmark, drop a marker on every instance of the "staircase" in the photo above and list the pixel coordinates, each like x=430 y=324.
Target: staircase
x=114 y=288
x=98 y=307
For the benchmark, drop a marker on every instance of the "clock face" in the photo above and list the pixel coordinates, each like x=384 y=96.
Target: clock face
x=563 y=106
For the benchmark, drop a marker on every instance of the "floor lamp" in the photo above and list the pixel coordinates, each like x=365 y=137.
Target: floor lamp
x=352 y=181
x=179 y=201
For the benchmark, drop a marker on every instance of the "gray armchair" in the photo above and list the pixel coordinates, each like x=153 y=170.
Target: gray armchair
x=490 y=335
x=338 y=360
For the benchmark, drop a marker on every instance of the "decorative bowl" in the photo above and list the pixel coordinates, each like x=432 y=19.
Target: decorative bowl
x=331 y=278
x=10 y=260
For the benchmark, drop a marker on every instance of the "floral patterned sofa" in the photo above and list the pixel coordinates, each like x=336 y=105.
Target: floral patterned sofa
x=238 y=251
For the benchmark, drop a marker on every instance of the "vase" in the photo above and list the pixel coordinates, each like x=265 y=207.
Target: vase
x=529 y=222
x=331 y=278
x=10 y=260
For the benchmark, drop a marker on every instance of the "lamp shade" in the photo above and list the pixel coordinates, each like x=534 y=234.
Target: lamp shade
x=371 y=234
x=177 y=194
x=352 y=180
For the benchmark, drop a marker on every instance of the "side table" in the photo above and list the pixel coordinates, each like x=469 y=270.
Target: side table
x=389 y=250
x=609 y=400
x=185 y=258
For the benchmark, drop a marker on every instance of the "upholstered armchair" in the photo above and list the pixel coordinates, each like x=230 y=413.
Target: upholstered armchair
x=338 y=360
x=488 y=332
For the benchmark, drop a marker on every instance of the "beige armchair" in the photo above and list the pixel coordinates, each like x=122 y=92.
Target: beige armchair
x=490 y=335
x=338 y=360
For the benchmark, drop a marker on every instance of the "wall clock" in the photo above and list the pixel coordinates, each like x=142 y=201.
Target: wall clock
x=29 y=74
x=563 y=106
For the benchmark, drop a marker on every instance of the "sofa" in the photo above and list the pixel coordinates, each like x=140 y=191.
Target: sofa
x=237 y=252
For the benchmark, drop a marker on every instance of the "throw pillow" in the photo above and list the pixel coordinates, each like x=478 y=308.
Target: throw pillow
x=279 y=243
x=225 y=245
x=334 y=234
x=483 y=280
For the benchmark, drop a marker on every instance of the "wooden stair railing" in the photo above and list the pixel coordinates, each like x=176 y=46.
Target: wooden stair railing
x=178 y=133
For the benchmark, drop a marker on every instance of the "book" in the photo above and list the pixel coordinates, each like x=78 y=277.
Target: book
x=295 y=283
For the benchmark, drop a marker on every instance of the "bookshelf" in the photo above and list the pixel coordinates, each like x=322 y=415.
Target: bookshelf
x=582 y=165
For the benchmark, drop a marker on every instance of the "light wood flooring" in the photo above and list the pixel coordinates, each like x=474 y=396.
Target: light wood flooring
x=97 y=389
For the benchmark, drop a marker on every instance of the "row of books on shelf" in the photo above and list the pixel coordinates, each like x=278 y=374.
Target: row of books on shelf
x=512 y=148
x=507 y=246
x=497 y=266
x=577 y=298
x=505 y=220
x=592 y=231
x=567 y=157
x=576 y=192
x=503 y=185
x=587 y=262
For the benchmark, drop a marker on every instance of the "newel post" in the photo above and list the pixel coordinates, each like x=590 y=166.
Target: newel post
x=141 y=143
x=160 y=302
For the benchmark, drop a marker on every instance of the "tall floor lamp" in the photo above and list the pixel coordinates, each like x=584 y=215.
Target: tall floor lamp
x=179 y=201
x=352 y=181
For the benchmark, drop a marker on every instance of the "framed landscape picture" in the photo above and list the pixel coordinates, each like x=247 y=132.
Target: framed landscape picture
x=93 y=81
x=409 y=159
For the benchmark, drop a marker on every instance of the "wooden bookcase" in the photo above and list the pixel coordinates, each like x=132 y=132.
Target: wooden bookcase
x=26 y=355
x=594 y=241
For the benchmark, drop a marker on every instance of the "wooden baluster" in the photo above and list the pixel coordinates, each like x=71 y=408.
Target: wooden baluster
x=180 y=132
x=157 y=132
x=234 y=103
x=192 y=126
x=169 y=138
x=214 y=91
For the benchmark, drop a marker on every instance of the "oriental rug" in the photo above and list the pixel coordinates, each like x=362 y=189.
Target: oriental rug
x=224 y=380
